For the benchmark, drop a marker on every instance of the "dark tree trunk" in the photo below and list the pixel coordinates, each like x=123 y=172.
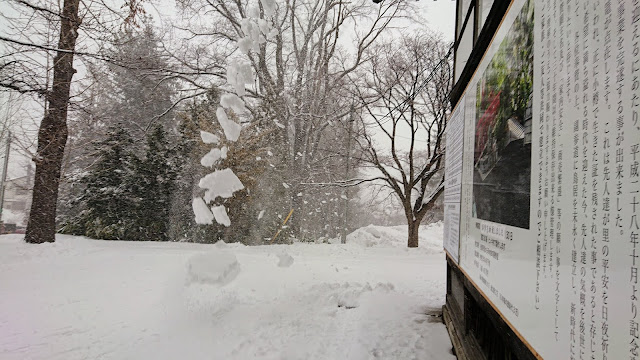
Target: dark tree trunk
x=414 y=226
x=52 y=135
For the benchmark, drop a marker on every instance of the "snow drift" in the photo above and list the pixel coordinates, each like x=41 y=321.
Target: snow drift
x=214 y=268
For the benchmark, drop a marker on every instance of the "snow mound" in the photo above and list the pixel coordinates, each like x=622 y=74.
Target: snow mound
x=213 y=268
x=13 y=249
x=284 y=259
x=349 y=299
x=349 y=295
x=430 y=236
x=373 y=231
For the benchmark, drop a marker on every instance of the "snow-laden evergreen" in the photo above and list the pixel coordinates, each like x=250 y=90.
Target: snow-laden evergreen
x=124 y=196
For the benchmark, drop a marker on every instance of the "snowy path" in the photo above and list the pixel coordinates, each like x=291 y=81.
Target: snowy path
x=85 y=299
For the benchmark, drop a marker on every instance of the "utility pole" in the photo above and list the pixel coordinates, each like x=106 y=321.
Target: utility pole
x=4 y=178
x=345 y=218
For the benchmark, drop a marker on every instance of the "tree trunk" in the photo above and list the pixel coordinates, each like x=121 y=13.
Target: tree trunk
x=297 y=204
x=345 y=220
x=414 y=226
x=52 y=135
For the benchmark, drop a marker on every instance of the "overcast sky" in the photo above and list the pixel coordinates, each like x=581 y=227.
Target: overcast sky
x=439 y=15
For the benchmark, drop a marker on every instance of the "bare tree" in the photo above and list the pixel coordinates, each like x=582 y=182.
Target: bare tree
x=52 y=136
x=302 y=74
x=26 y=72
x=405 y=102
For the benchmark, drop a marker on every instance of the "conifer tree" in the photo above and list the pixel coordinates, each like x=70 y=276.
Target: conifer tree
x=107 y=199
x=155 y=180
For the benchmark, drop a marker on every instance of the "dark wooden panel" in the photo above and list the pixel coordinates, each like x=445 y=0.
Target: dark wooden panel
x=497 y=12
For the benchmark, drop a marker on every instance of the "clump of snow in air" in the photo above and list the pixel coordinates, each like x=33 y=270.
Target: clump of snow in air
x=220 y=214
x=284 y=259
x=213 y=268
x=174 y=300
x=285 y=185
x=239 y=74
x=221 y=183
x=209 y=138
x=253 y=36
x=202 y=212
x=261 y=214
x=230 y=127
x=269 y=7
x=245 y=45
x=213 y=156
x=232 y=101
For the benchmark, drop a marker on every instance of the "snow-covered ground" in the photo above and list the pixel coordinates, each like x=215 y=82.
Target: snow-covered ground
x=89 y=299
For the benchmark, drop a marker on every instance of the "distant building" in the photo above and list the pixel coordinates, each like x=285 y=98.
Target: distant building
x=17 y=199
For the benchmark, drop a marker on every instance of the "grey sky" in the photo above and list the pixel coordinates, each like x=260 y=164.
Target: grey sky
x=439 y=15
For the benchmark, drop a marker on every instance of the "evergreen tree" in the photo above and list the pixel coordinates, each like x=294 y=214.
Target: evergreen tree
x=107 y=200
x=155 y=180
x=135 y=94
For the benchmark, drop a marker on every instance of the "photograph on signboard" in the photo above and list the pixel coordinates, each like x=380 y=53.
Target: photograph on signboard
x=502 y=150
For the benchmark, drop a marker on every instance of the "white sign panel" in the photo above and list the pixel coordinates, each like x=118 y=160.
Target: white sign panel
x=453 y=181
x=550 y=196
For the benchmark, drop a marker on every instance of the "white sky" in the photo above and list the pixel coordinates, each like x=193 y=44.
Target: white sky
x=440 y=16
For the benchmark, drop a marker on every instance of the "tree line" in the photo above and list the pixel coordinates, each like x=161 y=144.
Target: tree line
x=316 y=105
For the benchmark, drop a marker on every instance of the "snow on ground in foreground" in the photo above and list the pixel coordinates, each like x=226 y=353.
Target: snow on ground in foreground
x=89 y=299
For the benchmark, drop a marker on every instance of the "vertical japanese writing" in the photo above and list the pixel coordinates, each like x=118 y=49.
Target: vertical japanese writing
x=606 y=179
x=548 y=91
x=629 y=161
x=582 y=87
x=574 y=184
x=593 y=35
x=544 y=78
x=556 y=177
